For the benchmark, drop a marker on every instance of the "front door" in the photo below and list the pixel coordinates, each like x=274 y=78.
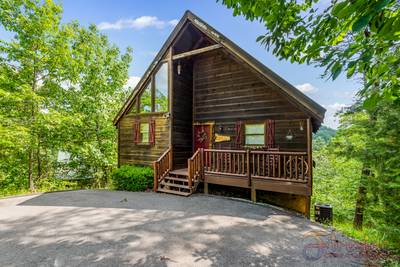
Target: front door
x=202 y=136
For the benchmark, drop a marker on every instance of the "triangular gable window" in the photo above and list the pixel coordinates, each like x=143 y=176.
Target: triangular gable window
x=161 y=89
x=145 y=100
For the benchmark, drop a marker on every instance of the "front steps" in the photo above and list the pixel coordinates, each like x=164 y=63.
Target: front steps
x=176 y=182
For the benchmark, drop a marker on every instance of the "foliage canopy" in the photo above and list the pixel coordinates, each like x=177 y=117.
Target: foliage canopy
x=59 y=86
x=358 y=37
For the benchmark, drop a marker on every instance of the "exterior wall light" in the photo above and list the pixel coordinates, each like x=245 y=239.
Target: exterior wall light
x=179 y=68
x=289 y=135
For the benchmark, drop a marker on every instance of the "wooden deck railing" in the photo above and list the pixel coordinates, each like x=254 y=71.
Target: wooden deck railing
x=195 y=167
x=274 y=165
x=230 y=162
x=161 y=167
x=279 y=165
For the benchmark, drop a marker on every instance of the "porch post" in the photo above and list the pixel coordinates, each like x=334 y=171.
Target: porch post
x=171 y=105
x=119 y=144
x=253 y=194
x=170 y=159
x=155 y=169
x=203 y=172
x=248 y=166
x=202 y=163
x=190 y=174
x=251 y=185
x=310 y=166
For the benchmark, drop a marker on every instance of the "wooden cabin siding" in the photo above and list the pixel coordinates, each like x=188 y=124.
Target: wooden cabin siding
x=182 y=116
x=129 y=153
x=226 y=92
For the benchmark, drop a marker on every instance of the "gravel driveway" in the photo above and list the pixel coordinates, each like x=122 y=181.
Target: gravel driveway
x=112 y=228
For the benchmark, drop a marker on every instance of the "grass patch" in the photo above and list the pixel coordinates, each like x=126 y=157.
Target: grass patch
x=386 y=240
x=367 y=235
x=51 y=185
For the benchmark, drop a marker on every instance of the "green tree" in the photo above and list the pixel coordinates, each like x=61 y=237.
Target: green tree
x=31 y=58
x=353 y=141
x=324 y=134
x=373 y=140
x=94 y=101
x=59 y=86
x=335 y=180
x=358 y=37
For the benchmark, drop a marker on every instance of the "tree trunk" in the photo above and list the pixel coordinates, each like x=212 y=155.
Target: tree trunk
x=39 y=163
x=32 y=123
x=102 y=179
x=361 y=199
x=30 y=171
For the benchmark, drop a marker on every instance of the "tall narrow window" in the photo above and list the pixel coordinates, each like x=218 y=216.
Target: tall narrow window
x=133 y=109
x=145 y=100
x=144 y=133
x=161 y=89
x=255 y=134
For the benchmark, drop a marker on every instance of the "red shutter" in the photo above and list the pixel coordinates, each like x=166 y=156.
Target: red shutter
x=152 y=131
x=136 y=131
x=239 y=134
x=270 y=133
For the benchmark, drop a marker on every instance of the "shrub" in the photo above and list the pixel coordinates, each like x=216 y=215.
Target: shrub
x=132 y=178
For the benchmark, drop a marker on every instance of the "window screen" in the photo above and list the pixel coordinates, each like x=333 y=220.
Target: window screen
x=255 y=134
x=144 y=133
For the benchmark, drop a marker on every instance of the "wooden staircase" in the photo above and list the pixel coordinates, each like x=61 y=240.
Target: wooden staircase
x=181 y=182
x=176 y=182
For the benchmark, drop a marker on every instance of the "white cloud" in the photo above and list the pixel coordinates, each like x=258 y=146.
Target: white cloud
x=307 y=88
x=137 y=23
x=350 y=94
x=330 y=119
x=132 y=82
x=173 y=22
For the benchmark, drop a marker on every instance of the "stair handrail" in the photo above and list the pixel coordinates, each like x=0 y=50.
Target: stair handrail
x=161 y=167
x=195 y=167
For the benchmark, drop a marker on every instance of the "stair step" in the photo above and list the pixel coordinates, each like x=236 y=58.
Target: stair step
x=173 y=192
x=176 y=179
x=175 y=185
x=181 y=172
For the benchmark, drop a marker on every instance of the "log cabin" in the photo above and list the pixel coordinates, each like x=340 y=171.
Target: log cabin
x=205 y=111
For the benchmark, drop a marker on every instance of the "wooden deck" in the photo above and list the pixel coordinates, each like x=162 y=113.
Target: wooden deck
x=277 y=171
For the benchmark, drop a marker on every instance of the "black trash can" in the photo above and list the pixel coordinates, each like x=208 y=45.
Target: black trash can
x=323 y=213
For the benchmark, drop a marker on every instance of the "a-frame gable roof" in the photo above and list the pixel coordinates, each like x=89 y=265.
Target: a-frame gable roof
x=305 y=103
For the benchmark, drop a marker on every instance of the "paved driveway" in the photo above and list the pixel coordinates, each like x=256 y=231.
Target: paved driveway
x=112 y=228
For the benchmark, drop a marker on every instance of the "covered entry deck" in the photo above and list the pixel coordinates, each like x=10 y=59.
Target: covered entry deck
x=278 y=171
x=257 y=169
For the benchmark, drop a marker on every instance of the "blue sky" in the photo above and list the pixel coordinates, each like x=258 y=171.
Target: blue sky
x=145 y=25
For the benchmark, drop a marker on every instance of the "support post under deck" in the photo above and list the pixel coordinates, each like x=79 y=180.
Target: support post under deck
x=253 y=194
